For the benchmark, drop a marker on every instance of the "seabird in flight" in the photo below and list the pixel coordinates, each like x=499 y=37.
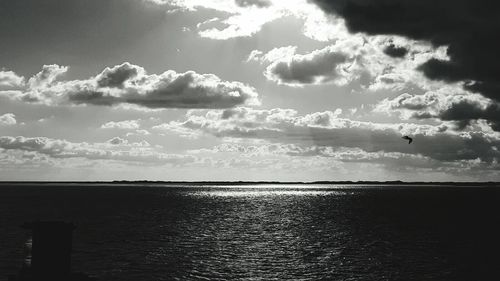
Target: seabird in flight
x=407 y=138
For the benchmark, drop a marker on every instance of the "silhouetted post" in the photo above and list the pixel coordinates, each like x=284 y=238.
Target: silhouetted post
x=51 y=249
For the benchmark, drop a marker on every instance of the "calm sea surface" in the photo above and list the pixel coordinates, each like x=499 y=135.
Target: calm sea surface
x=280 y=232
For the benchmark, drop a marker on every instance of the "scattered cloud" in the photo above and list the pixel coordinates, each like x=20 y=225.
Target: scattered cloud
x=256 y=3
x=353 y=59
x=326 y=129
x=446 y=105
x=419 y=68
x=117 y=141
x=126 y=125
x=115 y=149
x=177 y=128
x=295 y=157
x=138 y=133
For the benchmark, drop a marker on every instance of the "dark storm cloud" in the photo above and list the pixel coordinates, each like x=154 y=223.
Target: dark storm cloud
x=464 y=112
x=395 y=51
x=256 y=3
x=469 y=27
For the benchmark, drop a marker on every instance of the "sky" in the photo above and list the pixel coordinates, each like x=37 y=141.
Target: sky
x=251 y=90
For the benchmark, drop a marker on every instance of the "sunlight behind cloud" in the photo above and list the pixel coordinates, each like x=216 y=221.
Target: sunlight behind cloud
x=246 y=20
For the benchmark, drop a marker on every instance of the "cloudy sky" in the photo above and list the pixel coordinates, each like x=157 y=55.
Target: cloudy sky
x=291 y=90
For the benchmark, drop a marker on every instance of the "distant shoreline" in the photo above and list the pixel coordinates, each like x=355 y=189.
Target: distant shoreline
x=118 y=182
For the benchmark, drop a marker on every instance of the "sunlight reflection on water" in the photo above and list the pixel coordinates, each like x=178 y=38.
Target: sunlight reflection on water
x=259 y=193
x=270 y=190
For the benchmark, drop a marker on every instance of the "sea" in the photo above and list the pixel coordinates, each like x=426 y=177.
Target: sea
x=145 y=232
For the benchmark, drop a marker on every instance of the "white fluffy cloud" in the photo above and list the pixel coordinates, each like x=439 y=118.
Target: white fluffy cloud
x=331 y=64
x=10 y=79
x=8 y=119
x=130 y=84
x=318 y=67
x=47 y=76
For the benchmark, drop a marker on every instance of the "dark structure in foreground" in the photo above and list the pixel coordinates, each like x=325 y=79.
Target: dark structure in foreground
x=50 y=253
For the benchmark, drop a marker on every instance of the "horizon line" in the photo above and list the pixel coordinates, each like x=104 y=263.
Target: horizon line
x=265 y=182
